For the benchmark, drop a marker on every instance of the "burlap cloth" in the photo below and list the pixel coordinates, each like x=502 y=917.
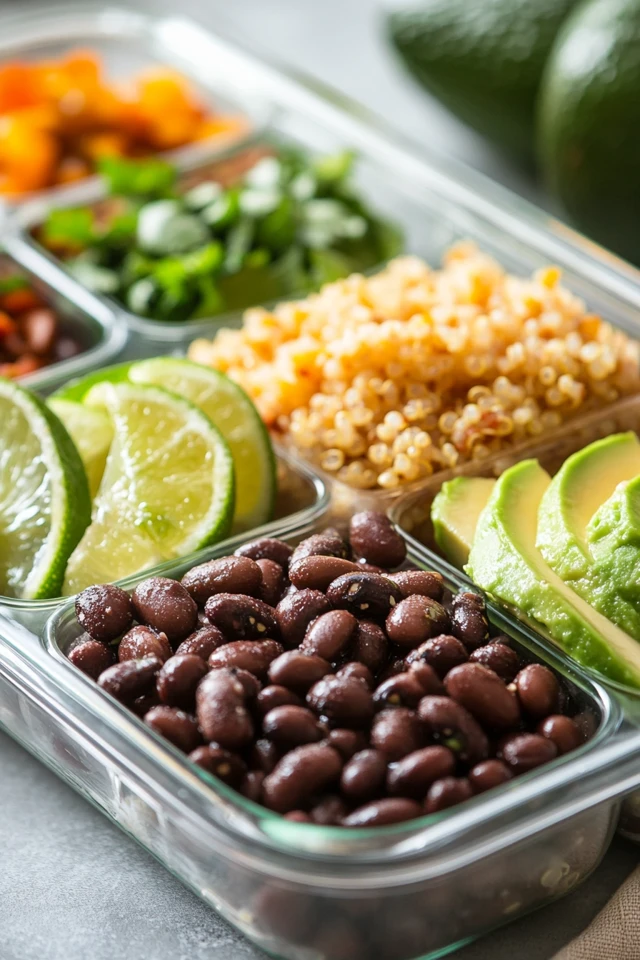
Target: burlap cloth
x=615 y=932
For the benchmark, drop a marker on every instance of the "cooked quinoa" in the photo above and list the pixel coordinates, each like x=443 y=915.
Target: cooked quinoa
x=386 y=379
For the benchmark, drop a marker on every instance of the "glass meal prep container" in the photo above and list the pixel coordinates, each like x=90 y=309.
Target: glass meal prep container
x=300 y=497
x=422 y=888
x=413 y=890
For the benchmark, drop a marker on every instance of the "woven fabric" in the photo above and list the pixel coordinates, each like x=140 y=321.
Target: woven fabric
x=615 y=932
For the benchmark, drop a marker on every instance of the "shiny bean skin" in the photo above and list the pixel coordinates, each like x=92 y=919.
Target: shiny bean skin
x=129 y=680
x=422 y=583
x=468 y=620
x=299 y=775
x=538 y=691
x=202 y=643
x=273 y=582
x=296 y=611
x=165 y=605
x=374 y=538
x=345 y=701
x=317 y=573
x=329 y=635
x=449 y=724
x=264 y=755
x=290 y=726
x=489 y=774
x=266 y=548
x=379 y=813
x=447 y=793
x=484 y=695
x=92 y=657
x=370 y=645
x=363 y=776
x=224 y=575
x=562 y=731
x=413 y=775
x=327 y=544
x=142 y=642
x=250 y=683
x=443 y=653
x=142 y=705
x=359 y=671
x=415 y=620
x=221 y=710
x=329 y=811
x=252 y=655
x=104 y=612
x=242 y=618
x=275 y=696
x=178 y=680
x=251 y=786
x=427 y=677
x=298 y=671
x=525 y=751
x=396 y=733
x=227 y=766
x=346 y=742
x=178 y=727
x=368 y=596
x=404 y=690
x=498 y=657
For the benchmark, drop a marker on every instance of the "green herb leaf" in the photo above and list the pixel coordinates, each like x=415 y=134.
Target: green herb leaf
x=13 y=282
x=73 y=227
x=138 y=178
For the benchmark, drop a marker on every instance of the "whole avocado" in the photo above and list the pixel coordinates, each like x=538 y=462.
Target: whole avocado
x=483 y=59
x=589 y=122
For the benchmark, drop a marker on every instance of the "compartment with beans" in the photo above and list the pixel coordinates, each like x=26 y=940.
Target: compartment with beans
x=330 y=682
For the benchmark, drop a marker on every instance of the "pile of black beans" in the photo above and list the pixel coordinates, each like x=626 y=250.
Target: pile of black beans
x=323 y=686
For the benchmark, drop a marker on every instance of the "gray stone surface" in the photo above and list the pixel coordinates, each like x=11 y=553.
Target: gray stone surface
x=72 y=887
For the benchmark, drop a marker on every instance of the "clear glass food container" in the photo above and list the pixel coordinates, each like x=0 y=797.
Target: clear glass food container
x=418 y=889
x=413 y=890
x=300 y=497
x=97 y=328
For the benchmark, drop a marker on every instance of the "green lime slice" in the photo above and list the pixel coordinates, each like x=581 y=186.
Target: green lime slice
x=76 y=390
x=167 y=488
x=92 y=432
x=237 y=419
x=44 y=496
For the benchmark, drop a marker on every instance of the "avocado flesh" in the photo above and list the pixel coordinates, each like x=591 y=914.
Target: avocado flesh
x=455 y=513
x=586 y=481
x=505 y=561
x=614 y=540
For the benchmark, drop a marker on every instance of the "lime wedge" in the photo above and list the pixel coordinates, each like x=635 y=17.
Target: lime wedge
x=44 y=497
x=91 y=431
x=76 y=390
x=237 y=419
x=167 y=488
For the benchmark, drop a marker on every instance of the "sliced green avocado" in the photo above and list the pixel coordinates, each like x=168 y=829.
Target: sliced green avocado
x=505 y=561
x=584 y=482
x=454 y=514
x=483 y=59
x=614 y=540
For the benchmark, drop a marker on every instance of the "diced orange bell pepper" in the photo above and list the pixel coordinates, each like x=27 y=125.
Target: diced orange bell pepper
x=19 y=87
x=18 y=301
x=27 y=155
x=7 y=325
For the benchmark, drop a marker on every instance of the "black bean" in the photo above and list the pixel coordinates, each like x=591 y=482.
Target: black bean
x=227 y=766
x=525 y=751
x=538 y=691
x=346 y=742
x=225 y=575
x=447 y=793
x=370 y=645
x=166 y=606
x=290 y=726
x=104 y=611
x=469 y=619
x=374 y=538
x=174 y=725
x=413 y=775
x=420 y=582
x=221 y=710
x=415 y=620
x=252 y=655
x=266 y=548
x=330 y=634
x=299 y=775
x=484 y=695
x=363 y=776
x=379 y=813
x=91 y=657
x=368 y=596
x=317 y=573
x=134 y=678
x=273 y=582
x=178 y=680
x=275 y=695
x=242 y=618
x=141 y=642
x=403 y=690
x=296 y=611
x=489 y=774
x=327 y=544
x=443 y=653
x=563 y=731
x=329 y=811
x=449 y=724
x=498 y=657
x=298 y=671
x=397 y=732
x=359 y=671
x=202 y=643
x=345 y=701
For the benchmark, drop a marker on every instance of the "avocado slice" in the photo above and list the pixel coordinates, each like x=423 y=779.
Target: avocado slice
x=613 y=536
x=585 y=482
x=454 y=514
x=505 y=561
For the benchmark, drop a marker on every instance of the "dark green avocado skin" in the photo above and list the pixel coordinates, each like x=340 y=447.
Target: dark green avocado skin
x=589 y=122
x=483 y=59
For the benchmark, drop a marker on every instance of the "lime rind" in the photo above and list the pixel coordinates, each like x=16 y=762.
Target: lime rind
x=237 y=418
x=65 y=505
x=151 y=504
